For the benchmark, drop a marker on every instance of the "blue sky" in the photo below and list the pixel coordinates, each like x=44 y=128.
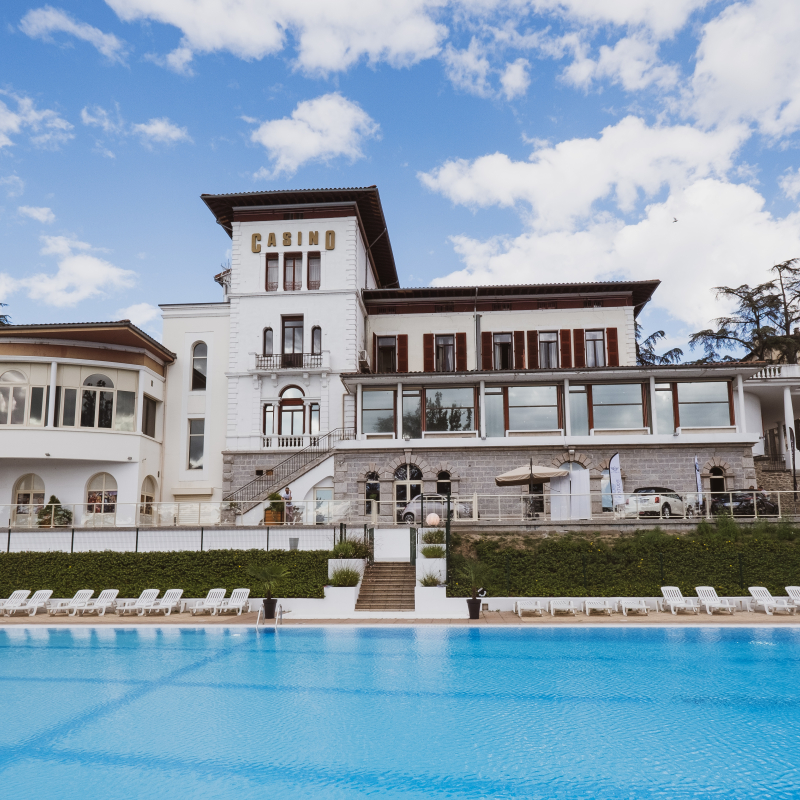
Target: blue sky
x=512 y=141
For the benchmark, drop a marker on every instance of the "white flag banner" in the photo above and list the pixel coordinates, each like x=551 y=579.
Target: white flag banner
x=698 y=479
x=615 y=477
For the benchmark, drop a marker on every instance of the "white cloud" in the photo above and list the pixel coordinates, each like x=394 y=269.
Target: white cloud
x=748 y=67
x=790 y=183
x=562 y=183
x=329 y=36
x=161 y=131
x=80 y=274
x=46 y=128
x=468 y=69
x=41 y=23
x=39 y=213
x=15 y=186
x=515 y=79
x=318 y=130
x=100 y=118
x=140 y=314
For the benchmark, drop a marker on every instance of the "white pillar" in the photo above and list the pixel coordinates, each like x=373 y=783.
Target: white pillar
x=140 y=401
x=482 y=408
x=653 y=420
x=741 y=418
x=51 y=405
x=788 y=413
x=399 y=420
x=567 y=426
x=359 y=398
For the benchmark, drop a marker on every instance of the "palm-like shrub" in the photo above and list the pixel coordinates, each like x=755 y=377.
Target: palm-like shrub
x=432 y=551
x=475 y=574
x=270 y=575
x=433 y=537
x=345 y=576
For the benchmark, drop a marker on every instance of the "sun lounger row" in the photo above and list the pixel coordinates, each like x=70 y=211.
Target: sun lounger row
x=148 y=602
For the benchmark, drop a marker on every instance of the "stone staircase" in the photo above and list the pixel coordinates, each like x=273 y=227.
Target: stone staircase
x=387 y=587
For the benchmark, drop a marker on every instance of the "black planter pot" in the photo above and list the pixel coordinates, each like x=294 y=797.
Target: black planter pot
x=474 y=607
x=269 y=607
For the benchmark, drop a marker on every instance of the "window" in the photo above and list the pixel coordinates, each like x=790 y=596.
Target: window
x=548 y=350
x=101 y=494
x=595 y=349
x=38 y=409
x=292 y=272
x=503 y=355
x=125 y=419
x=443 y=484
x=449 y=409
x=704 y=405
x=377 y=414
x=617 y=405
x=199 y=367
x=532 y=408
x=495 y=414
x=665 y=409
x=316 y=341
x=412 y=413
x=28 y=497
x=387 y=354
x=272 y=273
x=197 y=428
x=13 y=398
x=313 y=270
x=269 y=419
x=70 y=406
x=578 y=410
x=445 y=353
x=292 y=412
x=292 y=342
x=267 y=342
x=372 y=491
x=147 y=496
x=149 y=417
x=407 y=486
x=313 y=414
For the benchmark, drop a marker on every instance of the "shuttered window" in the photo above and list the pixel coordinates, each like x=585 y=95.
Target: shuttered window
x=533 y=349
x=580 y=347
x=486 y=350
x=565 y=338
x=613 y=347
x=402 y=352
x=427 y=352
x=461 y=352
x=519 y=349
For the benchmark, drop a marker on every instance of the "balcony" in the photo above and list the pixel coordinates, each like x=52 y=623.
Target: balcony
x=283 y=361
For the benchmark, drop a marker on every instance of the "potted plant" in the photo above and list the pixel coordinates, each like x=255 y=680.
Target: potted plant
x=274 y=512
x=475 y=574
x=54 y=514
x=270 y=575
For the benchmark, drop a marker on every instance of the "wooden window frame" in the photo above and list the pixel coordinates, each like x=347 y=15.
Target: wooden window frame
x=295 y=285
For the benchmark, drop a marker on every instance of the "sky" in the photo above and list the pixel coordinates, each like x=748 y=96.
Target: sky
x=512 y=141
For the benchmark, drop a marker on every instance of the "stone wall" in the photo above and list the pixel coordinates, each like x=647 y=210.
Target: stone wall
x=239 y=468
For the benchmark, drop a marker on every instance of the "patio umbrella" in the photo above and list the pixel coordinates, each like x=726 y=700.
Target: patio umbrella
x=525 y=476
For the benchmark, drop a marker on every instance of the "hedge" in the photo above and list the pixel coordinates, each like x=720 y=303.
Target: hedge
x=131 y=573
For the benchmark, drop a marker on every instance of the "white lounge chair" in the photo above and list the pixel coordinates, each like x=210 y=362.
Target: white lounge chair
x=762 y=597
x=170 y=602
x=637 y=604
x=569 y=606
x=608 y=605
x=17 y=597
x=211 y=602
x=106 y=600
x=794 y=595
x=143 y=603
x=709 y=598
x=236 y=602
x=39 y=600
x=676 y=601
x=71 y=607
x=539 y=607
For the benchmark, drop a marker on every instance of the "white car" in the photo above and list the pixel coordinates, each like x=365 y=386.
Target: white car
x=657 y=501
x=422 y=505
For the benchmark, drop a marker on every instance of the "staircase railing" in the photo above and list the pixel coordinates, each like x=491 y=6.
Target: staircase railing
x=283 y=472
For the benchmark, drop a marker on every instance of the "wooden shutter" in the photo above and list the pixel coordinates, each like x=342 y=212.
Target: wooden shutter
x=519 y=349
x=613 y=347
x=461 y=352
x=533 y=349
x=375 y=352
x=402 y=352
x=428 y=361
x=580 y=347
x=566 y=348
x=486 y=350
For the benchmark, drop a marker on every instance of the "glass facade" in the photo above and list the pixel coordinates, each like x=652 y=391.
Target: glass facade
x=617 y=405
x=494 y=411
x=450 y=409
x=578 y=411
x=705 y=404
x=532 y=408
x=665 y=410
x=412 y=413
x=377 y=414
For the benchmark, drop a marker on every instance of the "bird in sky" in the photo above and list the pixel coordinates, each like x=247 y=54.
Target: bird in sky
x=674 y=219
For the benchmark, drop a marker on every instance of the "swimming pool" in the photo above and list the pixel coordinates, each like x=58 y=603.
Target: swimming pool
x=399 y=712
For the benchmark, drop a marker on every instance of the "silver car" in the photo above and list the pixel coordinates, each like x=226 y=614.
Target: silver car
x=423 y=504
x=657 y=501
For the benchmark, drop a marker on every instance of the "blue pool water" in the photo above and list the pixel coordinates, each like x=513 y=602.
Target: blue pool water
x=399 y=713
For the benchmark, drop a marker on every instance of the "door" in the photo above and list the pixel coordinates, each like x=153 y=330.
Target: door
x=569 y=495
x=323 y=498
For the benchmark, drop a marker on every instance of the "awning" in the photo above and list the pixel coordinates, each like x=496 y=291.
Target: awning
x=523 y=476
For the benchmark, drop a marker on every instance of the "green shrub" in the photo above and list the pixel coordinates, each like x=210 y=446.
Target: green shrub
x=432 y=551
x=353 y=548
x=433 y=537
x=429 y=579
x=345 y=576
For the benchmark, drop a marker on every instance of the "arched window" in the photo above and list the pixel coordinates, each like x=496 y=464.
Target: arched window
x=199 y=367
x=268 y=342
x=28 y=498
x=13 y=376
x=316 y=341
x=292 y=412
x=407 y=486
x=101 y=406
x=717 y=481
x=101 y=494
x=372 y=491
x=147 y=498
x=99 y=380
x=443 y=483
x=13 y=398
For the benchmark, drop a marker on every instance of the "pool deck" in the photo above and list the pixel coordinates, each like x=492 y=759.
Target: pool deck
x=488 y=619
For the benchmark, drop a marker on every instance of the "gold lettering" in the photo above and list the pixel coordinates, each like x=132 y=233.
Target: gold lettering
x=330 y=240
x=271 y=240
x=313 y=237
x=299 y=238
x=255 y=245
x=287 y=239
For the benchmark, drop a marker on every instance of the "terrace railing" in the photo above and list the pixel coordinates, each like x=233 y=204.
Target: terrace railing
x=289 y=361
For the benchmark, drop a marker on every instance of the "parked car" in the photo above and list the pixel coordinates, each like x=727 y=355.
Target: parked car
x=739 y=502
x=658 y=501
x=416 y=511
